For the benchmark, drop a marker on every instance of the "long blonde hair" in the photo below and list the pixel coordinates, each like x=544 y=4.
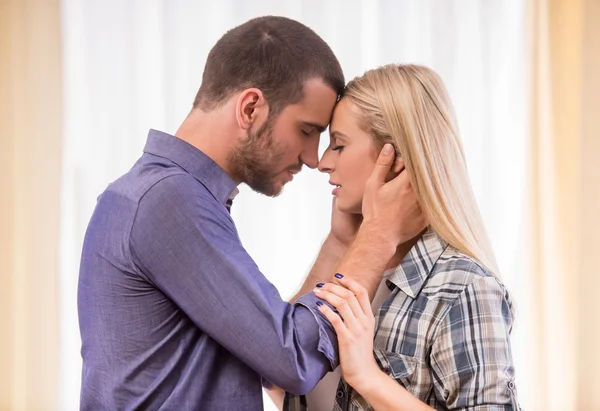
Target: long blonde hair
x=408 y=106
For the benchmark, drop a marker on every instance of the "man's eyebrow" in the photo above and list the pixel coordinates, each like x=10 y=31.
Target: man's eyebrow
x=319 y=127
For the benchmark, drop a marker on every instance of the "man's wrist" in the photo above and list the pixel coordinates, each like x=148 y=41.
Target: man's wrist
x=366 y=260
x=372 y=236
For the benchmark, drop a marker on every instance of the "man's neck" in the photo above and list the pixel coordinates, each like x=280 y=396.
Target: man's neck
x=212 y=133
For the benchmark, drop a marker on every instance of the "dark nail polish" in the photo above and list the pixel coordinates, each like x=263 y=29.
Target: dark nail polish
x=338 y=275
x=319 y=303
x=320 y=285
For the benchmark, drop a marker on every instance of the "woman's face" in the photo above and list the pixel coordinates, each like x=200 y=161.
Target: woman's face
x=349 y=159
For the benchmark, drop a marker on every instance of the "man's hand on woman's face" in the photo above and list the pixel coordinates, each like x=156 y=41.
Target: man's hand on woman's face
x=391 y=208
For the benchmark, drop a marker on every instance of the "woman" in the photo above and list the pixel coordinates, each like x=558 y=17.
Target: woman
x=443 y=317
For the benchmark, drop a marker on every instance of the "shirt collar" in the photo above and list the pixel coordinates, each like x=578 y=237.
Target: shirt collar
x=410 y=275
x=193 y=161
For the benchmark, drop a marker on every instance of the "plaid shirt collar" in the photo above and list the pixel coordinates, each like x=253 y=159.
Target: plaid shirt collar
x=412 y=272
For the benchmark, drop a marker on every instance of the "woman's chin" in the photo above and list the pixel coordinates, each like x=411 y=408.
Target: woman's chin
x=351 y=207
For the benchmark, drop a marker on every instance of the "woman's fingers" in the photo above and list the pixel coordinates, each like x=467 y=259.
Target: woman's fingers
x=362 y=296
x=338 y=325
x=344 y=294
x=341 y=305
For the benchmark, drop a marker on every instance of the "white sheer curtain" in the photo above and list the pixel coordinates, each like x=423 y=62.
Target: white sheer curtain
x=130 y=66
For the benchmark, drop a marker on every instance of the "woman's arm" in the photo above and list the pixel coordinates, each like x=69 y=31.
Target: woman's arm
x=384 y=393
x=471 y=353
x=355 y=339
x=474 y=335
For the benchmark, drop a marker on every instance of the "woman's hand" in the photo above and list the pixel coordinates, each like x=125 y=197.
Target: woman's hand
x=355 y=332
x=355 y=339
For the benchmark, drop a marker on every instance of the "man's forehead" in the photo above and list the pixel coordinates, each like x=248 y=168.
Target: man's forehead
x=317 y=102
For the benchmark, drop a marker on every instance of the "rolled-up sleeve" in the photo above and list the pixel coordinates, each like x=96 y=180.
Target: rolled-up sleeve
x=185 y=243
x=471 y=355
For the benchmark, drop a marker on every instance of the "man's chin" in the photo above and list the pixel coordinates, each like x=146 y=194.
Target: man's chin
x=272 y=189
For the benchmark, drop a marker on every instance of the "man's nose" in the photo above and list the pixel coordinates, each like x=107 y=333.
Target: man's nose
x=310 y=155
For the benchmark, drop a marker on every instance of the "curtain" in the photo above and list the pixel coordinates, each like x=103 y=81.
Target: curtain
x=563 y=202
x=131 y=66
x=30 y=154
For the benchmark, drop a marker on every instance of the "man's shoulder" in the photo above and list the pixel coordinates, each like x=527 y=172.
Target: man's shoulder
x=142 y=178
x=152 y=188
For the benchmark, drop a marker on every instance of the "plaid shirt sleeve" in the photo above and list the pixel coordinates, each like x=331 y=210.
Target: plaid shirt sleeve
x=470 y=358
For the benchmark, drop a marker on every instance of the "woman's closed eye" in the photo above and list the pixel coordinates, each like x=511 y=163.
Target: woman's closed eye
x=337 y=148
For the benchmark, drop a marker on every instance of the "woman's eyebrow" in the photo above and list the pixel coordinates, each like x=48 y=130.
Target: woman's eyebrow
x=337 y=134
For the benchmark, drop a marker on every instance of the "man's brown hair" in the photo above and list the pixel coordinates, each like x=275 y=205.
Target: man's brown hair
x=274 y=54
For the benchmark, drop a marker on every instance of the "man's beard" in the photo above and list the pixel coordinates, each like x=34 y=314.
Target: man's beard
x=255 y=161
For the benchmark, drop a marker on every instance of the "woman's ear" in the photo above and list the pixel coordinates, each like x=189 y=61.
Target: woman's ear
x=396 y=169
x=398 y=165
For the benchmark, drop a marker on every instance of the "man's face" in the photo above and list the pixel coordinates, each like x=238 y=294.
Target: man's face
x=277 y=149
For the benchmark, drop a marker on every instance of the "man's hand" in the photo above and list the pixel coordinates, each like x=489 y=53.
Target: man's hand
x=391 y=208
x=344 y=226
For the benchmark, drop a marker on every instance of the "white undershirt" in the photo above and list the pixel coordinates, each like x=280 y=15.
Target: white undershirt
x=322 y=397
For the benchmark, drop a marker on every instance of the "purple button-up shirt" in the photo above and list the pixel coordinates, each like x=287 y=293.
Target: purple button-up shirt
x=173 y=312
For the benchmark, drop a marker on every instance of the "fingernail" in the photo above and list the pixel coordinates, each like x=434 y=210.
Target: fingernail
x=338 y=275
x=388 y=149
x=319 y=303
x=320 y=285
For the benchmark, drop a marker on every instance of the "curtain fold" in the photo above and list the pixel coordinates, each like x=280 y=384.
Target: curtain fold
x=543 y=184
x=588 y=316
x=30 y=153
x=562 y=313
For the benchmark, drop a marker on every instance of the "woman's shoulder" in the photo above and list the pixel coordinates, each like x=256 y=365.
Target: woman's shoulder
x=455 y=272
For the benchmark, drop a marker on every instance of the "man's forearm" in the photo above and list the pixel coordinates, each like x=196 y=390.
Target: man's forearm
x=367 y=259
x=364 y=261
x=329 y=256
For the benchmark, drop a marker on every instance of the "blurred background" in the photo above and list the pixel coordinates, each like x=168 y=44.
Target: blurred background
x=82 y=81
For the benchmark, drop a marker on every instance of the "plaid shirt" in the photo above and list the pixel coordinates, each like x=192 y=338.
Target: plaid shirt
x=443 y=334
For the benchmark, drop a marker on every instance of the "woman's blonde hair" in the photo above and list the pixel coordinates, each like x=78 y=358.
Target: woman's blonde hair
x=408 y=106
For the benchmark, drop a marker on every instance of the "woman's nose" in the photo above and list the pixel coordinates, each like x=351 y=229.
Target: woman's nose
x=326 y=163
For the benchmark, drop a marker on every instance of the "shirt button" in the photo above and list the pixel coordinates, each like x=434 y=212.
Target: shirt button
x=387 y=370
x=339 y=394
x=511 y=385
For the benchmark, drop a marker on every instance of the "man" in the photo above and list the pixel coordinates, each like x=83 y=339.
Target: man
x=173 y=312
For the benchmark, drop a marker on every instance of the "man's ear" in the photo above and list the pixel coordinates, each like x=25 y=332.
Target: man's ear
x=251 y=108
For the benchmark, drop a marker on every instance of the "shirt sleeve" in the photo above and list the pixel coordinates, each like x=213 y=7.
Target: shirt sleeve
x=185 y=243
x=471 y=355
